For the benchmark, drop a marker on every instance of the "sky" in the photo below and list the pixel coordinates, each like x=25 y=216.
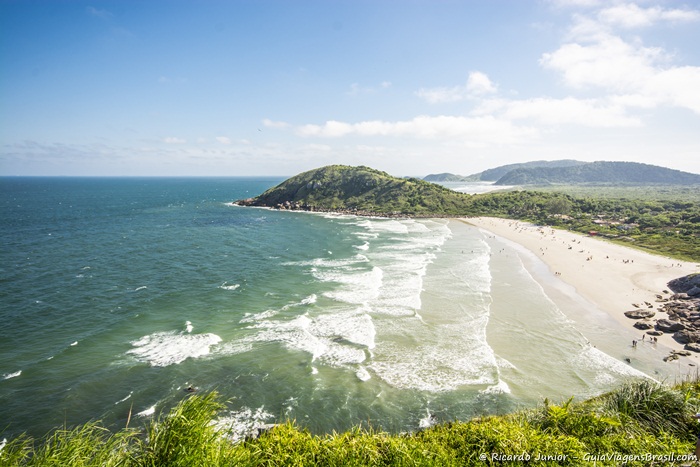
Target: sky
x=411 y=87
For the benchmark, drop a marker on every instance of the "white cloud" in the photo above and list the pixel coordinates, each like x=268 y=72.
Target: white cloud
x=480 y=129
x=478 y=84
x=275 y=124
x=609 y=62
x=600 y=113
x=679 y=87
x=595 y=57
x=174 y=140
x=223 y=139
x=632 y=16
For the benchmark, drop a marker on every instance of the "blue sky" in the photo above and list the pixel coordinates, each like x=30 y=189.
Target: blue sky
x=278 y=87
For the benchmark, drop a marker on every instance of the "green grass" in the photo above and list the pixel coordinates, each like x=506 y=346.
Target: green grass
x=639 y=420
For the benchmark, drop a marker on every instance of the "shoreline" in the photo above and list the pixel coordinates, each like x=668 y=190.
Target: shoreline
x=612 y=277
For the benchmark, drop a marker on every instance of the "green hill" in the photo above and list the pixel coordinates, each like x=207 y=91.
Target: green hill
x=360 y=190
x=670 y=227
x=448 y=177
x=492 y=175
x=599 y=172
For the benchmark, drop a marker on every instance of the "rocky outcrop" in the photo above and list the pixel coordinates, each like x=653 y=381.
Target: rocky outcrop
x=689 y=284
x=680 y=311
x=687 y=337
x=639 y=314
x=665 y=325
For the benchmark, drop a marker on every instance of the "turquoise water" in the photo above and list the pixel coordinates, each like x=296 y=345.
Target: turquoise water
x=117 y=294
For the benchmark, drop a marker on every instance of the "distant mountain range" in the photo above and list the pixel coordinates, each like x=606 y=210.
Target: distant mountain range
x=571 y=172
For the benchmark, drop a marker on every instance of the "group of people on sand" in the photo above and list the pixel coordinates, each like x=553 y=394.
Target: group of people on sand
x=652 y=339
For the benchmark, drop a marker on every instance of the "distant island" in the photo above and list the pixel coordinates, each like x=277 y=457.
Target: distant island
x=572 y=172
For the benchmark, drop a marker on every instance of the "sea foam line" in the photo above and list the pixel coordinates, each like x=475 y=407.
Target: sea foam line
x=12 y=375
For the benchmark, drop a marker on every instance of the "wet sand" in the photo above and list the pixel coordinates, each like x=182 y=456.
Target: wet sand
x=611 y=276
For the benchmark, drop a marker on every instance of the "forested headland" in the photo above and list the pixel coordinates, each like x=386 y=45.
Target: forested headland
x=649 y=217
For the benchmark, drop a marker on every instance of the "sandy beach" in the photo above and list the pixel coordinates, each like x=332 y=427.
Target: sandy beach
x=610 y=276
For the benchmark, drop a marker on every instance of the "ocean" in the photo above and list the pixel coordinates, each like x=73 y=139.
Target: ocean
x=118 y=294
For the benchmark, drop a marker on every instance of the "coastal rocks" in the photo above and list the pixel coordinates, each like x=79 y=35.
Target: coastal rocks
x=689 y=285
x=687 y=337
x=639 y=314
x=643 y=325
x=676 y=354
x=655 y=333
x=665 y=325
x=695 y=347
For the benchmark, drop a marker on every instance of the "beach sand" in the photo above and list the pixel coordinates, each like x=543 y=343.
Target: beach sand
x=610 y=276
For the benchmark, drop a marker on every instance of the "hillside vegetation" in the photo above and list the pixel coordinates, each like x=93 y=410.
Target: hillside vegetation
x=670 y=226
x=642 y=423
x=491 y=175
x=361 y=189
x=599 y=172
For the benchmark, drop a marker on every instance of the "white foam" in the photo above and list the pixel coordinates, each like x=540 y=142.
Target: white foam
x=225 y=286
x=3 y=443
x=358 y=285
x=243 y=423
x=447 y=349
x=311 y=299
x=234 y=348
x=12 y=375
x=140 y=288
x=608 y=370
x=437 y=367
x=427 y=421
x=125 y=399
x=500 y=388
x=384 y=279
x=170 y=348
x=188 y=326
x=362 y=374
x=74 y=344
x=337 y=338
x=252 y=318
x=148 y=412
x=330 y=263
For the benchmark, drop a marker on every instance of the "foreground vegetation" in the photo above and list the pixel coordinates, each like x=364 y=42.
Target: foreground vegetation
x=641 y=423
